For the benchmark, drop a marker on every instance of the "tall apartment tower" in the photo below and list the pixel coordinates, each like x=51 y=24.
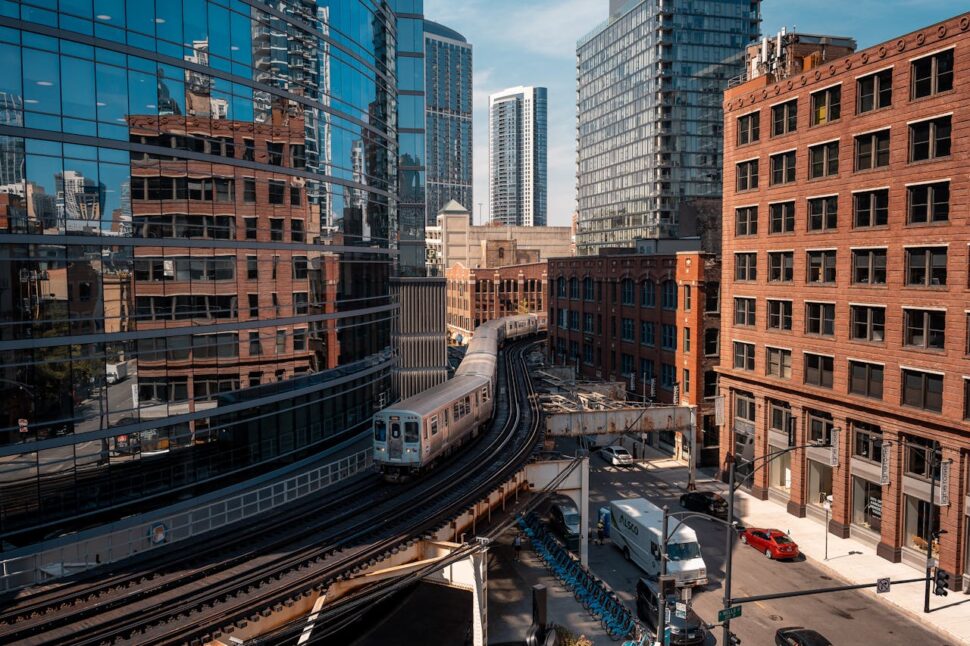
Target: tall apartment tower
x=448 y=118
x=517 y=156
x=844 y=362
x=648 y=126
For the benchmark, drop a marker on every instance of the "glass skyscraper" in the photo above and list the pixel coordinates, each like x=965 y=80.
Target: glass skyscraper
x=517 y=156
x=649 y=82
x=198 y=224
x=448 y=79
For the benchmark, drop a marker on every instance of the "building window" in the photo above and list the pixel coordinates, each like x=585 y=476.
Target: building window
x=274 y=152
x=929 y=139
x=872 y=150
x=686 y=339
x=866 y=504
x=300 y=268
x=588 y=323
x=923 y=390
x=782 y=217
x=712 y=297
x=747 y=175
x=588 y=354
x=924 y=329
x=276 y=191
x=778 y=363
x=820 y=427
x=301 y=303
x=821 y=266
x=748 y=128
x=865 y=379
x=780 y=419
x=783 y=168
x=646 y=370
x=746 y=221
x=685 y=381
x=299 y=340
x=250 y=228
x=249 y=190
x=874 y=91
x=781 y=266
x=297 y=232
x=932 y=74
x=743 y=356
x=648 y=294
x=819 y=370
x=626 y=363
x=823 y=160
x=710 y=383
x=668 y=337
x=820 y=319
x=275 y=229
x=928 y=203
x=866 y=441
x=574 y=289
x=687 y=298
x=870 y=208
x=668 y=376
x=669 y=294
x=744 y=311
x=784 y=118
x=574 y=321
x=823 y=213
x=779 y=315
x=252 y=268
x=295 y=196
x=253 y=305
x=966 y=398
x=712 y=346
x=926 y=266
x=918 y=515
x=868 y=323
x=745 y=266
x=826 y=105
x=626 y=329
x=918 y=456
x=254 y=346
x=588 y=289
x=869 y=266
x=627 y=292
x=647 y=332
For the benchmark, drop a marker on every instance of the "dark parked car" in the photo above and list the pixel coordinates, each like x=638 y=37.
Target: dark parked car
x=684 y=631
x=798 y=636
x=706 y=502
x=564 y=520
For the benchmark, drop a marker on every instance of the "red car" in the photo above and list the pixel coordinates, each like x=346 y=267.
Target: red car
x=772 y=543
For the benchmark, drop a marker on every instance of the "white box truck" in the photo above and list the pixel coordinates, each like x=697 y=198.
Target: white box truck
x=115 y=372
x=635 y=528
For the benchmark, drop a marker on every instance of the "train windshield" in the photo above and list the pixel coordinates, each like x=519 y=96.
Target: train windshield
x=380 y=430
x=411 y=431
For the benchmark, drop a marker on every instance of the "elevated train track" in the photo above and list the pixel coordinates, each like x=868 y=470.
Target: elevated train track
x=184 y=595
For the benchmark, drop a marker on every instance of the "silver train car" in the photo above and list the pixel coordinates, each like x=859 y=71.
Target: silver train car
x=412 y=435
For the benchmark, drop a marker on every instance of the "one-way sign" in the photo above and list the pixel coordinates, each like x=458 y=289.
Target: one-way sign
x=882 y=585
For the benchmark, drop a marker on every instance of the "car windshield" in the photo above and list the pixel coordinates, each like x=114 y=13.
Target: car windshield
x=783 y=540
x=570 y=517
x=622 y=452
x=683 y=551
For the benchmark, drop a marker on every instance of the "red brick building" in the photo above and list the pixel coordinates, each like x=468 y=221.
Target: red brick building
x=650 y=319
x=478 y=295
x=845 y=251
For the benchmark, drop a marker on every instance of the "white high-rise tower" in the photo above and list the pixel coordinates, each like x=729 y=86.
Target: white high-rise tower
x=517 y=156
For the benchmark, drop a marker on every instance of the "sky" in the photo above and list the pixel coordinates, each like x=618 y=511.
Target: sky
x=533 y=42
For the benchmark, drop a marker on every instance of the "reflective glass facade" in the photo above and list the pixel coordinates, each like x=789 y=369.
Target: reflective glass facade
x=448 y=80
x=649 y=84
x=197 y=229
x=517 y=156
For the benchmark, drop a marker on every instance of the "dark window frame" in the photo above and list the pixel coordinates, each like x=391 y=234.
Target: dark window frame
x=784 y=118
x=932 y=74
x=823 y=160
x=872 y=150
x=881 y=94
x=873 y=205
x=826 y=105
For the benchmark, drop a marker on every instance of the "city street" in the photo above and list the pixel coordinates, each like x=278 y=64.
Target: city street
x=845 y=618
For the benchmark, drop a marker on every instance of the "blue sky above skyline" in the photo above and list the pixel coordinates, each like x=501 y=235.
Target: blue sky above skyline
x=533 y=42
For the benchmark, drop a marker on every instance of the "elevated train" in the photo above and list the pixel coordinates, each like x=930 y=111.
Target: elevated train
x=413 y=434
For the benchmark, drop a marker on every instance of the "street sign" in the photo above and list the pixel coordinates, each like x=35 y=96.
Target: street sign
x=834 y=451
x=884 y=467
x=729 y=613
x=945 y=484
x=719 y=410
x=882 y=585
x=680 y=610
x=667 y=615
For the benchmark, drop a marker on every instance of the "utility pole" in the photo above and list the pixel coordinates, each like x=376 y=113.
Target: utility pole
x=929 y=529
x=728 y=546
x=661 y=592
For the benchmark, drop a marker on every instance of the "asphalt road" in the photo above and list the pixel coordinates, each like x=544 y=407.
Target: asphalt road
x=845 y=618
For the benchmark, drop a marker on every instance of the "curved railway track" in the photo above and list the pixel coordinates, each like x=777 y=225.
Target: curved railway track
x=172 y=597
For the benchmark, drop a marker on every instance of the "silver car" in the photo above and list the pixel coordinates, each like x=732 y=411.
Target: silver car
x=616 y=455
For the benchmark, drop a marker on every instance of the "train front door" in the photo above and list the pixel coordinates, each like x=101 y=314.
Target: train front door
x=395 y=443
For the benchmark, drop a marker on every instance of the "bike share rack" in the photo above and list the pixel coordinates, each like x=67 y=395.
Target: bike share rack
x=597 y=597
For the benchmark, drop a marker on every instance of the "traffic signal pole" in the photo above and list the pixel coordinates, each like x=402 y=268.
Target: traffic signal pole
x=728 y=549
x=661 y=593
x=930 y=530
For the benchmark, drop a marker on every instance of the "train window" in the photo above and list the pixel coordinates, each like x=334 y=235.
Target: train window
x=380 y=430
x=395 y=431
x=468 y=403
x=434 y=425
x=446 y=417
x=411 y=431
x=476 y=398
x=457 y=411
x=485 y=394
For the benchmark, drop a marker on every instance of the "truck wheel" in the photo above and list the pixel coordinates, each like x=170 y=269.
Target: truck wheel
x=626 y=553
x=768 y=553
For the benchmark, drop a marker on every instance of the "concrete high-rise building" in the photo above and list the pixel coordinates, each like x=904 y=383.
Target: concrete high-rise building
x=648 y=127
x=448 y=118
x=517 y=156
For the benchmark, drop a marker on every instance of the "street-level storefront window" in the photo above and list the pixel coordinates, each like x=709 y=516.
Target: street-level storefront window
x=819 y=482
x=866 y=504
x=917 y=533
x=779 y=471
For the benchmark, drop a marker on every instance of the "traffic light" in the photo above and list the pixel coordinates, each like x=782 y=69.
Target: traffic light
x=942 y=582
x=733 y=639
x=668 y=585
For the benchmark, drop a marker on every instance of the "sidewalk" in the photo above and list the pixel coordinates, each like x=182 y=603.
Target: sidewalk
x=510 y=598
x=849 y=560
